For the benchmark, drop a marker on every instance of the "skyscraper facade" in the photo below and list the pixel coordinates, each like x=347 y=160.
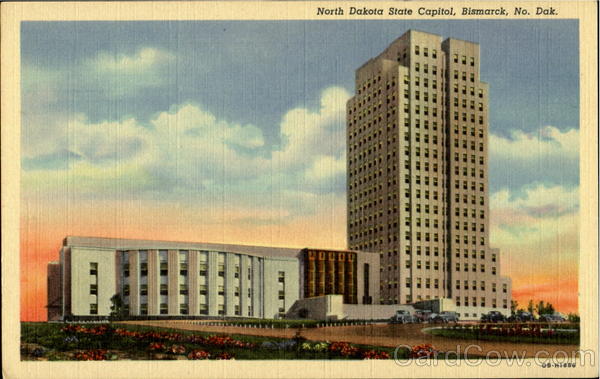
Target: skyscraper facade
x=417 y=170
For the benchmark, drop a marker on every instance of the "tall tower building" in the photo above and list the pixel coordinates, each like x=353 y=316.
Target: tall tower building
x=417 y=172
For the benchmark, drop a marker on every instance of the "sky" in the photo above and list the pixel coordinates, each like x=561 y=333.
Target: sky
x=234 y=131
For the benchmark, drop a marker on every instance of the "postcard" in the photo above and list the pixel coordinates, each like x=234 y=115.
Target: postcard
x=299 y=189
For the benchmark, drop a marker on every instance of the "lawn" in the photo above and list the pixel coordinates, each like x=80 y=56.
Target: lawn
x=510 y=333
x=53 y=341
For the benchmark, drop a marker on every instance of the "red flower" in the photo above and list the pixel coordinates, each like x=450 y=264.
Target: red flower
x=198 y=354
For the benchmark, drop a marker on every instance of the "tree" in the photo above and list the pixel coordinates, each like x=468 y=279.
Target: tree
x=513 y=306
x=117 y=308
x=543 y=308
x=530 y=307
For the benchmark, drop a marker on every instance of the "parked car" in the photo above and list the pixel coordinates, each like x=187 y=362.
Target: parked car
x=493 y=316
x=402 y=317
x=423 y=315
x=431 y=317
x=555 y=317
x=446 y=317
x=521 y=316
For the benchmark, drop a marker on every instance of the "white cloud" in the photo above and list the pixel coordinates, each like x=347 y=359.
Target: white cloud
x=326 y=167
x=144 y=59
x=541 y=199
x=548 y=142
x=536 y=225
x=188 y=153
x=121 y=75
x=308 y=133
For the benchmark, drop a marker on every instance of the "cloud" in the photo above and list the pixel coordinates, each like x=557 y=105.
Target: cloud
x=145 y=58
x=548 y=142
x=537 y=230
x=188 y=154
x=551 y=156
x=538 y=200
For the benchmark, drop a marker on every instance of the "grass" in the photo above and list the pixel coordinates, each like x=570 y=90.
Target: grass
x=566 y=338
x=58 y=345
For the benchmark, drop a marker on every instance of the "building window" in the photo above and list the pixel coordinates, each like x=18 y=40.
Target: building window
x=183 y=269
x=126 y=290
x=183 y=309
x=164 y=269
x=281 y=294
x=164 y=308
x=221 y=309
x=93 y=289
x=202 y=269
x=221 y=270
x=504 y=288
x=93 y=309
x=281 y=277
x=203 y=290
x=183 y=289
x=164 y=289
x=203 y=309
x=126 y=270
x=93 y=268
x=143 y=269
x=221 y=290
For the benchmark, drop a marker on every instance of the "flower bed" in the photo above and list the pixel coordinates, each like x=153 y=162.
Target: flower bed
x=105 y=342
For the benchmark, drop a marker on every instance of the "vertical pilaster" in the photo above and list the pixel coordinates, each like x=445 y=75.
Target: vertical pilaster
x=173 y=275
x=193 y=279
x=212 y=282
x=134 y=283
x=153 y=282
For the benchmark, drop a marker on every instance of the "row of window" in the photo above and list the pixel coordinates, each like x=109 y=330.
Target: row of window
x=418 y=250
x=481 y=286
x=463 y=103
x=425 y=68
x=426 y=97
x=457 y=158
x=473 y=254
x=183 y=270
x=417 y=82
x=482 y=302
x=426 y=51
x=466 y=226
x=203 y=309
x=471 y=90
x=463 y=76
x=473 y=267
x=463 y=60
x=464 y=117
x=473 y=213
x=367 y=83
x=390 y=111
x=425 y=266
